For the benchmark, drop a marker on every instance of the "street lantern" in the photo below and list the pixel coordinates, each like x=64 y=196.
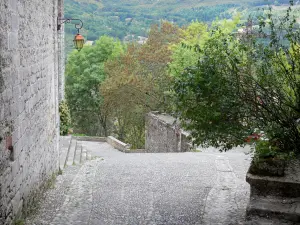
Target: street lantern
x=78 y=39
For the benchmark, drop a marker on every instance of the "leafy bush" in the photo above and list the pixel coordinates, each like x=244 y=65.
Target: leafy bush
x=65 y=118
x=245 y=82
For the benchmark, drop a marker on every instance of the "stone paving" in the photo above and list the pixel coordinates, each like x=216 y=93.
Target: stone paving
x=205 y=187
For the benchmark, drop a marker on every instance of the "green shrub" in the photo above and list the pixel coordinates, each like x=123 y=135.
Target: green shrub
x=264 y=149
x=65 y=118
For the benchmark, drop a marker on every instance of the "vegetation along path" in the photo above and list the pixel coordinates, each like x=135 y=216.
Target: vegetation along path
x=205 y=187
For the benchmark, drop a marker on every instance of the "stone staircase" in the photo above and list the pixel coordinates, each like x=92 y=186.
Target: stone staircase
x=73 y=152
x=273 y=210
x=275 y=200
x=78 y=159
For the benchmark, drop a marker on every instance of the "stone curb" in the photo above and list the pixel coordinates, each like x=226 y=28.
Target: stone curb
x=92 y=139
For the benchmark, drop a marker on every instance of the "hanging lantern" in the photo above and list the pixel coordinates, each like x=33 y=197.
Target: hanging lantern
x=78 y=41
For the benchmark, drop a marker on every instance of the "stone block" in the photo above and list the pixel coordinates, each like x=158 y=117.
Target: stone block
x=13 y=5
x=16 y=92
x=13 y=41
x=6 y=180
x=15 y=22
x=6 y=60
x=15 y=167
x=16 y=204
x=16 y=135
x=3 y=41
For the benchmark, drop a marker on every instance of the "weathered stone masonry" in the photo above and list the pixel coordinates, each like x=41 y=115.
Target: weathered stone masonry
x=29 y=65
x=163 y=134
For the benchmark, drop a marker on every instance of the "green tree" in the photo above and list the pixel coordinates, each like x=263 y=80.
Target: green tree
x=65 y=118
x=243 y=84
x=84 y=74
x=206 y=96
x=192 y=37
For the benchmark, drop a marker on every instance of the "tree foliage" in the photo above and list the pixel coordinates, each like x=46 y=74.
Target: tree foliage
x=193 y=37
x=65 y=118
x=137 y=82
x=84 y=74
x=245 y=83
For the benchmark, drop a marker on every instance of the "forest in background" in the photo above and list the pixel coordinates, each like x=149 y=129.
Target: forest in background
x=126 y=20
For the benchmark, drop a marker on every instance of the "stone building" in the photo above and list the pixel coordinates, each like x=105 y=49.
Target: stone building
x=31 y=67
x=163 y=134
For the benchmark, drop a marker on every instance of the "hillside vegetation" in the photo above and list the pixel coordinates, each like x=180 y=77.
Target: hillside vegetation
x=128 y=19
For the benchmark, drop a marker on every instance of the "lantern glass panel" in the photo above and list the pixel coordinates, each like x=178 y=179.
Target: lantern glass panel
x=78 y=44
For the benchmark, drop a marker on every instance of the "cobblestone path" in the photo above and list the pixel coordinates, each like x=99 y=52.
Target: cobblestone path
x=167 y=188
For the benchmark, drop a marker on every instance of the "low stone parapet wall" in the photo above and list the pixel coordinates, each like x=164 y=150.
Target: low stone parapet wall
x=117 y=144
x=93 y=139
x=163 y=134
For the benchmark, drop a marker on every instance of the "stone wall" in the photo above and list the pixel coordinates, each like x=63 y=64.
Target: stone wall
x=28 y=101
x=117 y=144
x=61 y=54
x=163 y=134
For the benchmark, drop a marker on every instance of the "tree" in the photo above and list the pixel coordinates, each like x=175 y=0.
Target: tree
x=84 y=74
x=192 y=37
x=137 y=82
x=244 y=84
x=206 y=97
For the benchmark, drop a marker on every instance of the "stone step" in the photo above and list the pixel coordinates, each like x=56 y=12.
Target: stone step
x=287 y=186
x=286 y=209
x=64 y=147
x=89 y=155
x=83 y=155
x=78 y=204
x=55 y=197
x=71 y=153
x=256 y=220
x=77 y=153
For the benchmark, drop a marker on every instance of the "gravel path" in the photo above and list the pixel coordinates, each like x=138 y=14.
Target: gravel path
x=166 y=188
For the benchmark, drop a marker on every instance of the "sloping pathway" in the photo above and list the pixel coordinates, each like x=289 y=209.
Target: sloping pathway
x=166 y=188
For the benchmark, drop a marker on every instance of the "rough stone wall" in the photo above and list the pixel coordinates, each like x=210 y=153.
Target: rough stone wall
x=163 y=134
x=185 y=142
x=61 y=54
x=28 y=101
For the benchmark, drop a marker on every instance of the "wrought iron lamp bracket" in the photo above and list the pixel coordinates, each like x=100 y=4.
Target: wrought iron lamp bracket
x=61 y=21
